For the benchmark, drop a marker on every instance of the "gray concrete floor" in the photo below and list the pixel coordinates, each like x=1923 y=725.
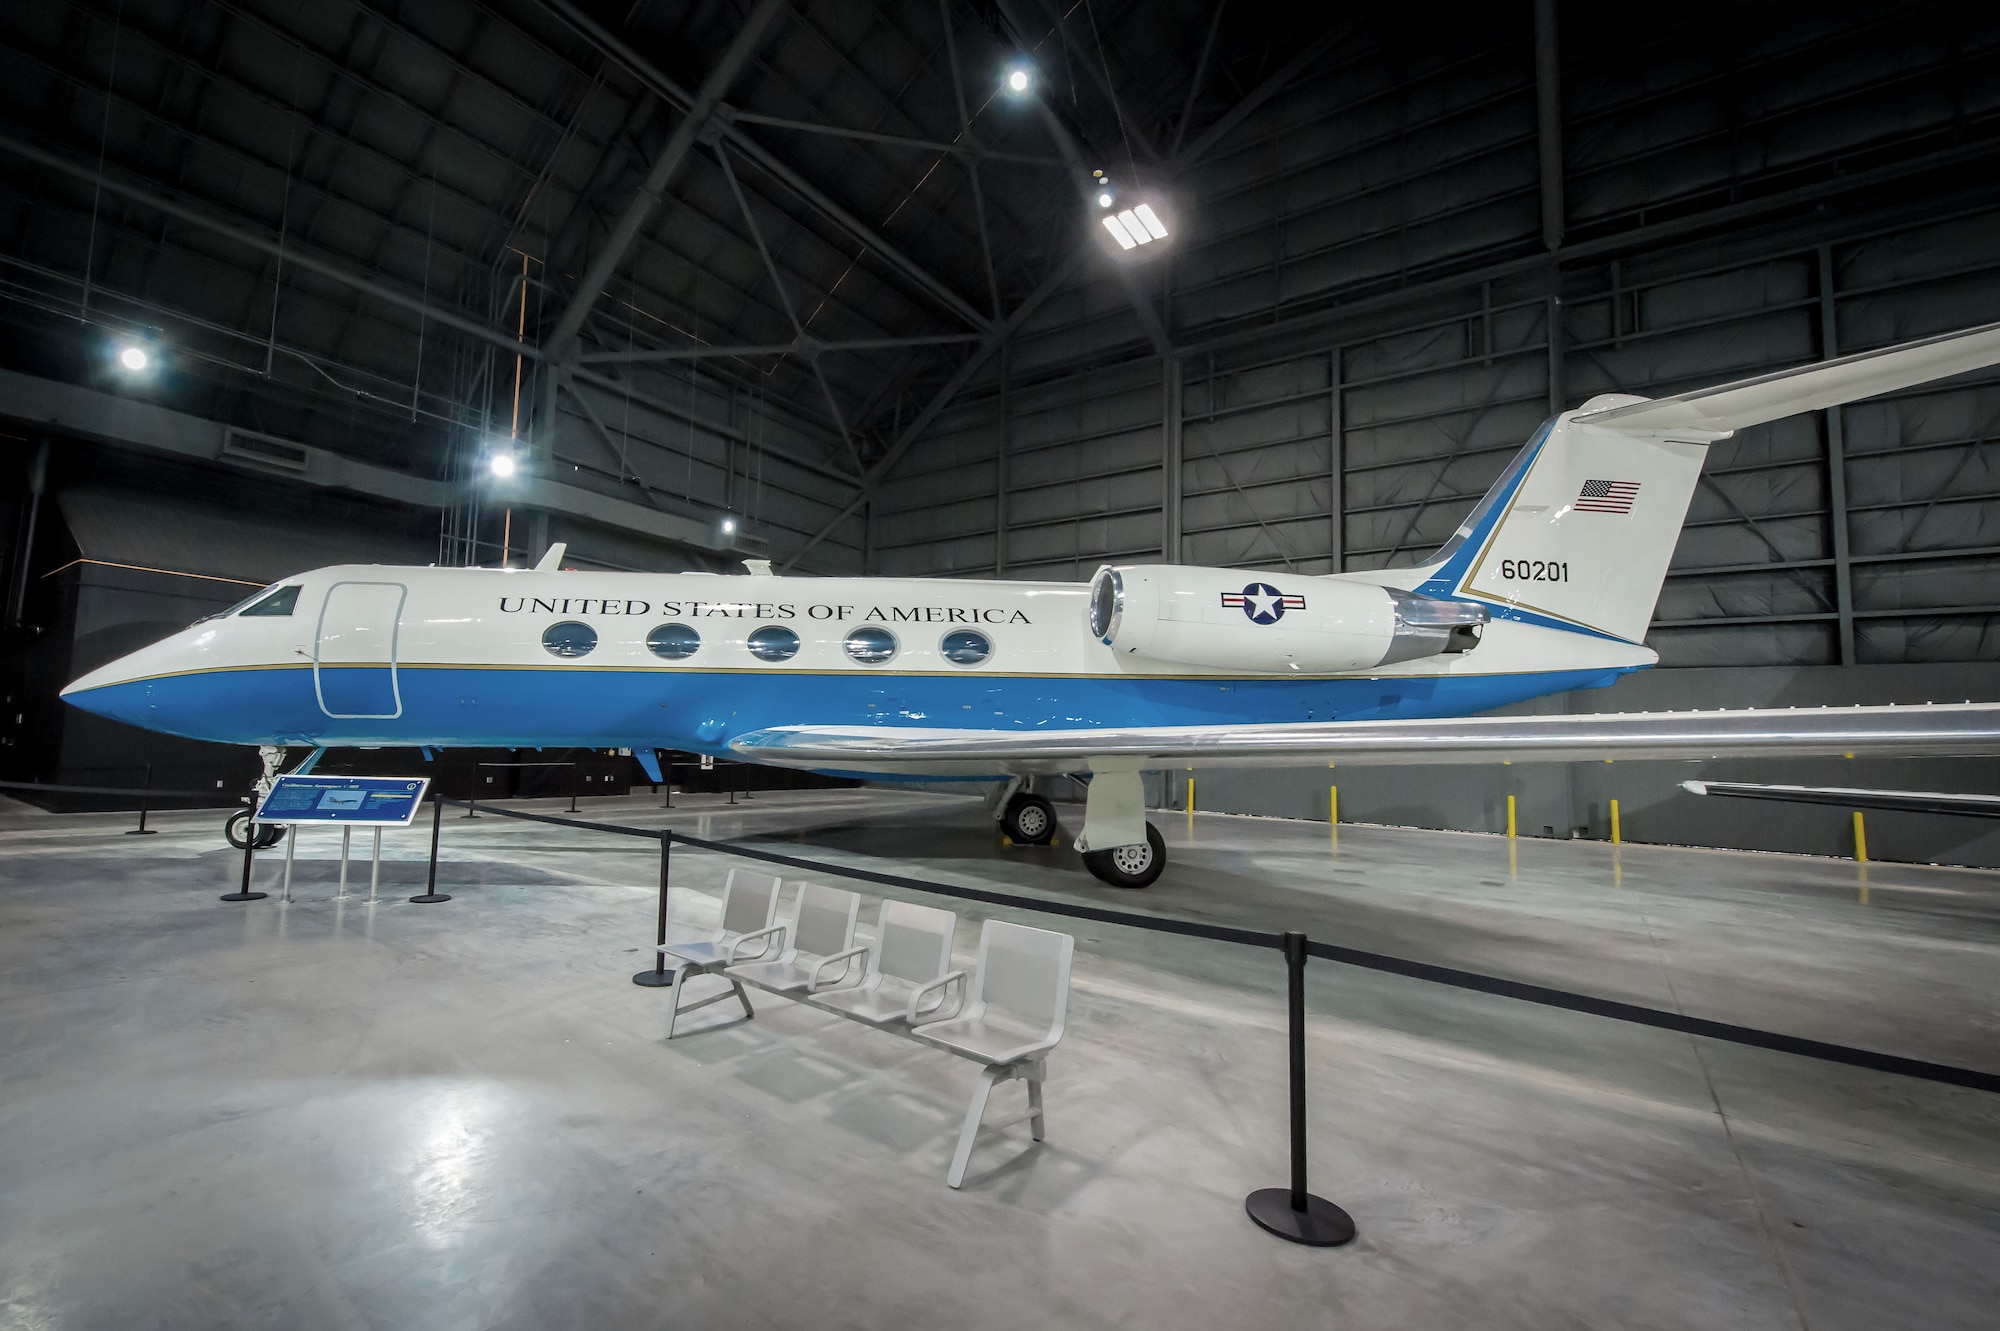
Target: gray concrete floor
x=331 y=1114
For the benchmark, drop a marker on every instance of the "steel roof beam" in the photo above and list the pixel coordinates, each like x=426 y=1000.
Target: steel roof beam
x=617 y=49
x=803 y=346
x=653 y=187
x=785 y=299
x=942 y=398
x=292 y=252
x=967 y=148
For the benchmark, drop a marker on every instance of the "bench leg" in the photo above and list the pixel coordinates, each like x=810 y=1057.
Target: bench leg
x=988 y=1079
x=676 y=1007
x=1034 y=1076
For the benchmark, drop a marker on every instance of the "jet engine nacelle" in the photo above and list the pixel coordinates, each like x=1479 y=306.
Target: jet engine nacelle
x=1227 y=619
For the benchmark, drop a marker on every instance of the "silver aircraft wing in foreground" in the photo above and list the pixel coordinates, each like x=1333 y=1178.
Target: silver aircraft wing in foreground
x=1935 y=730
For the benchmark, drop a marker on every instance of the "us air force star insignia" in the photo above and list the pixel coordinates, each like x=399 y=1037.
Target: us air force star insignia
x=1264 y=603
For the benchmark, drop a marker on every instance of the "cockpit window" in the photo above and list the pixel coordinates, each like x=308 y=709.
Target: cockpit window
x=280 y=602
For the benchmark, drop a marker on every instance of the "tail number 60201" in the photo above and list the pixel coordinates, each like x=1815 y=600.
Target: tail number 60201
x=1535 y=570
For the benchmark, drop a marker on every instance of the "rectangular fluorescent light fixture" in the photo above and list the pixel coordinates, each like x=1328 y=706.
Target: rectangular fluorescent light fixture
x=1151 y=220
x=1124 y=238
x=1134 y=227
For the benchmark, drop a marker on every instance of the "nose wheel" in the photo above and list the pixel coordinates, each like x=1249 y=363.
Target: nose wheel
x=236 y=833
x=1130 y=866
x=1029 y=820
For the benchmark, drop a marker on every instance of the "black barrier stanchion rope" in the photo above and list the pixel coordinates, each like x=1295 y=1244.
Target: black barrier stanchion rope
x=144 y=800
x=660 y=977
x=244 y=893
x=431 y=894
x=1417 y=970
x=1293 y=1213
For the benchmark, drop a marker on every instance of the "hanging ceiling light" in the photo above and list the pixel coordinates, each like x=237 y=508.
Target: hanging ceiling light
x=1134 y=227
x=1019 y=78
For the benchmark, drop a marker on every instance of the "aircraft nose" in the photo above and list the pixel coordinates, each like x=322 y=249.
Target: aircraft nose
x=112 y=690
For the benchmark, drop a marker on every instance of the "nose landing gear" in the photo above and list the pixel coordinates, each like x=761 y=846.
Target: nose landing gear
x=235 y=831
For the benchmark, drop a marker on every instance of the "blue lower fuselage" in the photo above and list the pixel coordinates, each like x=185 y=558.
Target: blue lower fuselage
x=700 y=711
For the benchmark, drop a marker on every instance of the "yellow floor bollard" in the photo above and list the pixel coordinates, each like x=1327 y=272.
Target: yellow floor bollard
x=1614 y=823
x=1510 y=817
x=1860 y=839
x=1190 y=799
x=1333 y=804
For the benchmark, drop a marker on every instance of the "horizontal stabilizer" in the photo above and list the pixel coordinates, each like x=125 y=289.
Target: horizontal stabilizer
x=1970 y=729
x=1770 y=397
x=1906 y=801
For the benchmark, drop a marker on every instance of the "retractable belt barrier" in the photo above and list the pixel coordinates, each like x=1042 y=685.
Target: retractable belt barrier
x=1520 y=990
x=1292 y=1213
x=146 y=791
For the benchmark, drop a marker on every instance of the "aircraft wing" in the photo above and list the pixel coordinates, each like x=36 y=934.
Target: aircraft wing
x=1908 y=801
x=1768 y=397
x=1954 y=729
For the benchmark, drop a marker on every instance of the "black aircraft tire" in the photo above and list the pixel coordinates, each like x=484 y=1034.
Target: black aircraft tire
x=1029 y=820
x=268 y=834
x=1130 y=866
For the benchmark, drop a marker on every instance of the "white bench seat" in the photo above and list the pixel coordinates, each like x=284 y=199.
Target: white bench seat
x=1010 y=1014
x=912 y=949
x=749 y=904
x=819 y=937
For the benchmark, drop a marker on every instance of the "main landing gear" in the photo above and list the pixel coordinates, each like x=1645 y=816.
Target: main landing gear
x=1130 y=866
x=1030 y=820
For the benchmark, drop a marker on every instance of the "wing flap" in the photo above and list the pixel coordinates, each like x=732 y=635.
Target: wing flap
x=1970 y=729
x=1769 y=397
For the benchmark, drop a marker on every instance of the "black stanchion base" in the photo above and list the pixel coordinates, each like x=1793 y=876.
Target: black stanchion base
x=141 y=831
x=1320 y=1225
x=654 y=979
x=431 y=898
x=243 y=896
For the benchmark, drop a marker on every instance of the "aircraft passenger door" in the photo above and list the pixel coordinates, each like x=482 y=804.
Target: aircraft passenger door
x=354 y=657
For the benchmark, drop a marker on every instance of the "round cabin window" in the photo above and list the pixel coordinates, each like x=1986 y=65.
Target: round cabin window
x=569 y=639
x=871 y=646
x=772 y=643
x=966 y=647
x=673 y=642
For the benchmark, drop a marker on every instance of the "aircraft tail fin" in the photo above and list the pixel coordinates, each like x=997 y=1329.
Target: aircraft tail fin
x=1577 y=532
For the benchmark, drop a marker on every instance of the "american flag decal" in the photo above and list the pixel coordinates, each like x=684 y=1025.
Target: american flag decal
x=1607 y=496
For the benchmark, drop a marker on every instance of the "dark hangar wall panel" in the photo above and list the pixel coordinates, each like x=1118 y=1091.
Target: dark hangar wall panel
x=1368 y=325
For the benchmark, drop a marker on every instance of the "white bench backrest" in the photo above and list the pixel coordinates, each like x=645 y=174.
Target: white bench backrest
x=1024 y=973
x=749 y=901
x=913 y=943
x=824 y=924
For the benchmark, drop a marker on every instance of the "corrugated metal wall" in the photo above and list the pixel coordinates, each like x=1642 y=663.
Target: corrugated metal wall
x=1362 y=309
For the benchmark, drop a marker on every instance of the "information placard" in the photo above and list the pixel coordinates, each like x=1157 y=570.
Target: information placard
x=365 y=801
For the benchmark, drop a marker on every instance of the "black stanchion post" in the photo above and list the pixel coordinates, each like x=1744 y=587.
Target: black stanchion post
x=142 y=829
x=660 y=977
x=244 y=893
x=1293 y=1213
x=431 y=894
x=472 y=800
x=572 y=787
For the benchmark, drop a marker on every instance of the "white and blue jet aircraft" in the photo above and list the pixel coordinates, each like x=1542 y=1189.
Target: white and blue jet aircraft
x=1547 y=586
